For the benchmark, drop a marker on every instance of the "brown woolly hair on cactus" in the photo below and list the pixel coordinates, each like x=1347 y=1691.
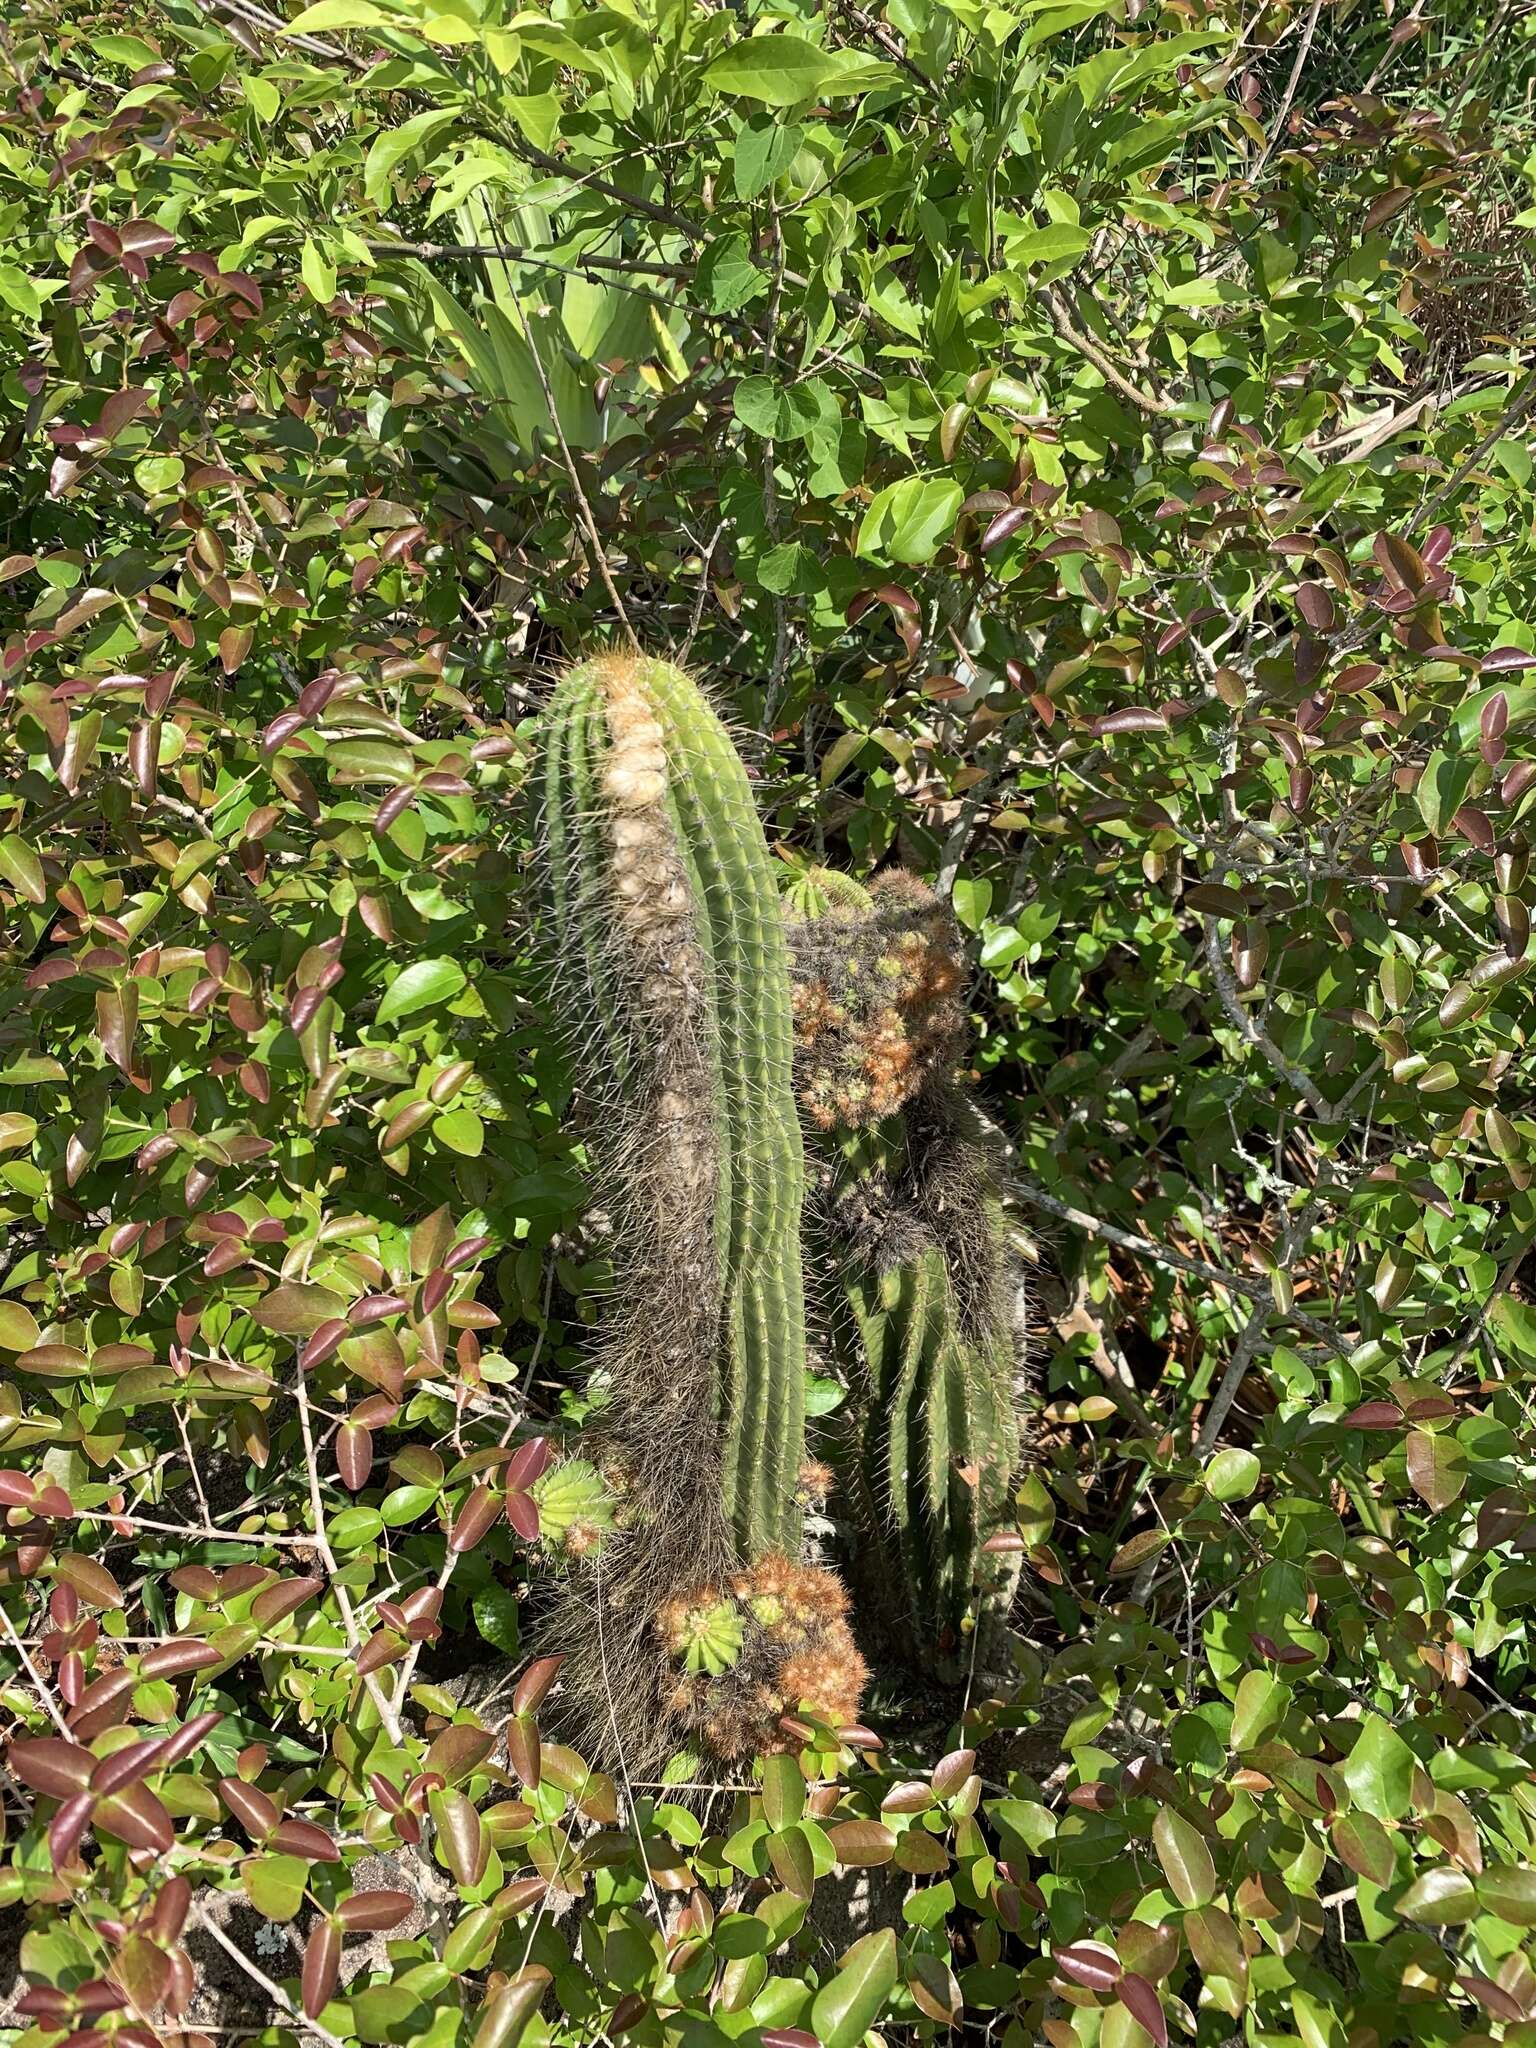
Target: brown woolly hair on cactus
x=875 y=1001
x=772 y=1644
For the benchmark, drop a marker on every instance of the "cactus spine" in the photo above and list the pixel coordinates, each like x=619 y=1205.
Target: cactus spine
x=673 y=976
x=908 y=1232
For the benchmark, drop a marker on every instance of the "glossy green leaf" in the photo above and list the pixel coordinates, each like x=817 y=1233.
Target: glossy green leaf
x=851 y=2001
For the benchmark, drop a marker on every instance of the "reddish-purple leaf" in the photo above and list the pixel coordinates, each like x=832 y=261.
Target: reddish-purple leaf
x=174 y=1660
x=375 y=1912
x=1088 y=1963
x=256 y=1813
x=1438 y=546
x=1357 y=677
x=474 y=1519
x=854 y=1735
x=1215 y=899
x=120 y=410
x=1004 y=527
x=1493 y=1998
x=306 y=1839
x=45 y=2003
x=1144 y=2006
x=1473 y=826
x=434 y=1290
x=524 y=1750
x=145 y=238
x=1134 y=718
x=1373 y=1415
x=68 y=1826
x=173 y=1902
x=373 y=1308
x=397 y=801
x=354 y=1456
x=461 y=1835
x=951 y=1772
x=324 y=1342
x=283 y=727
x=1385 y=205
x=523 y=1514
x=49 y=1764
x=322 y=1965
x=529 y=1462
x=283 y=1598
x=535 y=1683
x=125 y=1766
x=136 y=1816
x=383 y=1648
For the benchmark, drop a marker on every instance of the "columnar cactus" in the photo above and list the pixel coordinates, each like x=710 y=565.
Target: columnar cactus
x=908 y=1229
x=673 y=976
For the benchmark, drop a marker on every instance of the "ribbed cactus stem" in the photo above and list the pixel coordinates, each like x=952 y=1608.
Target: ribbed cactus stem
x=936 y=1450
x=910 y=1235
x=666 y=917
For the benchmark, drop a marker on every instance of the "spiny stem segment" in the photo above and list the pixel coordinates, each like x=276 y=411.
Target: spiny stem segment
x=673 y=975
x=907 y=1229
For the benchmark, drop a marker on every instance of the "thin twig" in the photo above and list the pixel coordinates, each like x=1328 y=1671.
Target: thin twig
x=197 y=1477
x=1500 y=1287
x=1232 y=1379
x=454 y=1558
x=890 y=46
x=1080 y=1319
x=618 y=1749
x=1152 y=402
x=275 y=1992
x=202 y=1532
x=518 y=252
x=1249 y=1028
x=1291 y=84
x=955 y=845
x=591 y=268
x=258 y=17
x=44 y=1690
x=700 y=596
x=386 y=1707
x=771 y=491
x=594 y=539
x=1164 y=1255
x=1520 y=403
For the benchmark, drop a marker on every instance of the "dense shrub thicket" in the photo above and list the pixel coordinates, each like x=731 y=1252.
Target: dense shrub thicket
x=1084 y=447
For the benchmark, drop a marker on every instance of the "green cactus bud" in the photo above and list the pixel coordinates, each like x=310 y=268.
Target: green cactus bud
x=706 y=1633
x=576 y=1509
